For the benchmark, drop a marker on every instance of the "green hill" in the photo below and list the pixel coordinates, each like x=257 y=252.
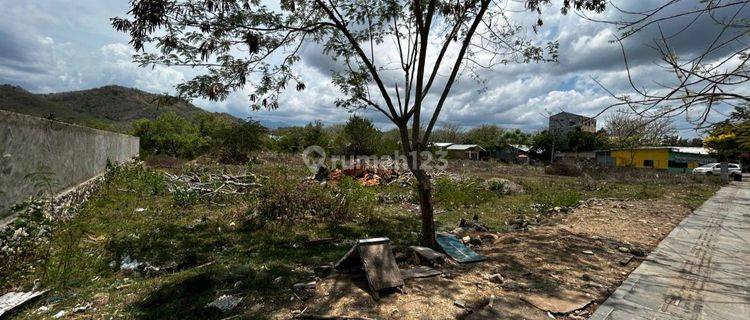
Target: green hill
x=110 y=107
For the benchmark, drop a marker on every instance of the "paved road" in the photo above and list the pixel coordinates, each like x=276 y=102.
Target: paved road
x=700 y=271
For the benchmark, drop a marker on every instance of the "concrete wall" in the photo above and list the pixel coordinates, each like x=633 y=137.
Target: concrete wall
x=71 y=153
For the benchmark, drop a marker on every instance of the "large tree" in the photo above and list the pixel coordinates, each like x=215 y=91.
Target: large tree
x=399 y=58
x=629 y=130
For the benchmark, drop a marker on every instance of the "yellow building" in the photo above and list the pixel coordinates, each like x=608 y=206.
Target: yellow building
x=674 y=159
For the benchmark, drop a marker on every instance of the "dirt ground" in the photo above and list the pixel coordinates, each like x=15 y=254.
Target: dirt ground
x=576 y=257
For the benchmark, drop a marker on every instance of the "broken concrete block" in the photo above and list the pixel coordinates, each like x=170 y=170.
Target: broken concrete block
x=427 y=257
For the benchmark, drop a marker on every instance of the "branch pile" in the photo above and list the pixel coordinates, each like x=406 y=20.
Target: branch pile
x=213 y=183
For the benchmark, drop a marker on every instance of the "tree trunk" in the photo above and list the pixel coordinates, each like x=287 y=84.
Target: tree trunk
x=424 y=190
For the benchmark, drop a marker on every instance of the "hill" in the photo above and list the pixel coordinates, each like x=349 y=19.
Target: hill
x=109 y=107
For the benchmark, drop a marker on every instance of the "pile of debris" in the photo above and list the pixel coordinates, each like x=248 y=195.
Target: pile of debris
x=30 y=222
x=372 y=175
x=213 y=183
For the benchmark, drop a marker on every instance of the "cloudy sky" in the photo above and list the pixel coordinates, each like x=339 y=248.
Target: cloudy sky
x=63 y=45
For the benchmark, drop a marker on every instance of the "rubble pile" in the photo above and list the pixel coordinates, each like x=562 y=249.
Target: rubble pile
x=34 y=218
x=213 y=183
x=372 y=175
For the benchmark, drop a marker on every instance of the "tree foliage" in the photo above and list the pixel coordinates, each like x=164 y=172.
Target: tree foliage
x=729 y=138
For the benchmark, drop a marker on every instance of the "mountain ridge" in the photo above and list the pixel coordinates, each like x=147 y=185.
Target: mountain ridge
x=110 y=107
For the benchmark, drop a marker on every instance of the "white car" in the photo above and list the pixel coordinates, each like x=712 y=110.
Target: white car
x=715 y=169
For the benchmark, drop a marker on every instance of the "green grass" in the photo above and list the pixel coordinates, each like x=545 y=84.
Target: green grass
x=229 y=245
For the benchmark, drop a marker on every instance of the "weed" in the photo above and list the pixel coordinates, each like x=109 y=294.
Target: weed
x=185 y=198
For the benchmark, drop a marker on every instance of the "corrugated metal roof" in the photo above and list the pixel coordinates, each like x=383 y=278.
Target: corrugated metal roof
x=521 y=147
x=462 y=147
x=442 y=144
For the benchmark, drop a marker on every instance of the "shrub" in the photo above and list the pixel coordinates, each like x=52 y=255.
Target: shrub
x=287 y=199
x=184 y=198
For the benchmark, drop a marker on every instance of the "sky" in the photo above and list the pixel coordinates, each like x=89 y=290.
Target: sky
x=64 y=45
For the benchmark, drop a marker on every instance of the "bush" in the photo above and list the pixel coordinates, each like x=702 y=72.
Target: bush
x=184 y=198
x=286 y=199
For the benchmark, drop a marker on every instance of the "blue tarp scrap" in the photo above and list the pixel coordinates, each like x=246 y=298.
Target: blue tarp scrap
x=456 y=249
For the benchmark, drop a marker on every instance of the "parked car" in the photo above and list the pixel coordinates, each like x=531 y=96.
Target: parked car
x=715 y=169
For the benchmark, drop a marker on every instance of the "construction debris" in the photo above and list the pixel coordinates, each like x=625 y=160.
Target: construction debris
x=13 y=300
x=452 y=245
x=427 y=257
x=376 y=258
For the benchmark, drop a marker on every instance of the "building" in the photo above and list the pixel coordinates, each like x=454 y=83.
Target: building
x=460 y=151
x=672 y=159
x=514 y=153
x=563 y=122
x=464 y=151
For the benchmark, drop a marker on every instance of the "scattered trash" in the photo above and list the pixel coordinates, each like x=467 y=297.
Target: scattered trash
x=129 y=265
x=564 y=301
x=60 y=314
x=419 y=272
x=376 y=258
x=140 y=209
x=452 y=246
x=589 y=252
x=624 y=249
x=225 y=303
x=81 y=308
x=12 y=300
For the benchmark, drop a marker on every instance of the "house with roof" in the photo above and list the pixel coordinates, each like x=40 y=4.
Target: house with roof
x=672 y=159
x=461 y=151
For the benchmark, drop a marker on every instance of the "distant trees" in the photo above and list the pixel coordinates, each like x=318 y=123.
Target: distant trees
x=575 y=140
x=171 y=134
x=359 y=137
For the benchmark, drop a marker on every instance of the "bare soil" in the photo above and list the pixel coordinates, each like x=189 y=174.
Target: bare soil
x=570 y=254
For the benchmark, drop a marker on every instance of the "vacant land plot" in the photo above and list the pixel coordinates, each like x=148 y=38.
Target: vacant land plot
x=166 y=242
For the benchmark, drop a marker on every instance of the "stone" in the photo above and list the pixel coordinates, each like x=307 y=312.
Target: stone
x=460 y=303
x=624 y=262
x=496 y=278
x=624 y=249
